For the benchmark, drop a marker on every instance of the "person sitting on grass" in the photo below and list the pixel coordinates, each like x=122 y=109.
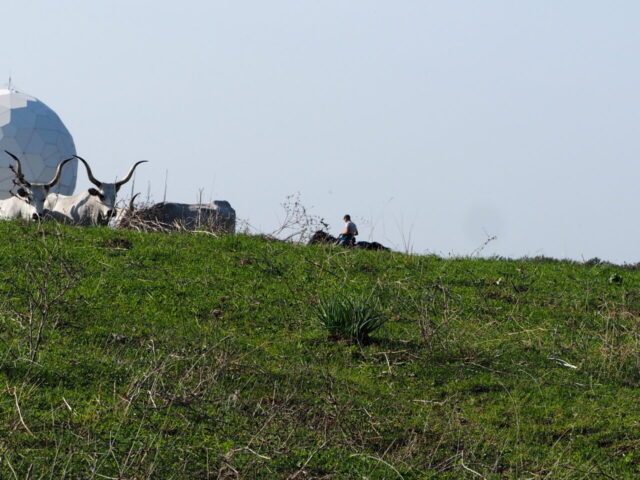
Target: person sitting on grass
x=347 y=237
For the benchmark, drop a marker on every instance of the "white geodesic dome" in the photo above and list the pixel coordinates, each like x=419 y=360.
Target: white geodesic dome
x=36 y=135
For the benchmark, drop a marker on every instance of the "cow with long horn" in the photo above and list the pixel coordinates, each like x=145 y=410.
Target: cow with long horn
x=96 y=206
x=29 y=199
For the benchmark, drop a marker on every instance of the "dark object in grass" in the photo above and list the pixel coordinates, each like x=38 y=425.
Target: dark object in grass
x=118 y=243
x=349 y=317
x=615 y=278
x=371 y=246
x=322 y=237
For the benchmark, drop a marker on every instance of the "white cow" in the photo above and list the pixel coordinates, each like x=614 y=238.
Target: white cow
x=28 y=201
x=96 y=206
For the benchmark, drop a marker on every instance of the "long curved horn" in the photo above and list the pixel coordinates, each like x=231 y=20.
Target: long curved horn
x=18 y=172
x=92 y=179
x=56 y=177
x=128 y=177
x=131 y=206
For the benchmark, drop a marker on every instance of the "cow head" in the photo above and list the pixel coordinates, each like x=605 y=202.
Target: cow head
x=32 y=193
x=106 y=193
x=27 y=210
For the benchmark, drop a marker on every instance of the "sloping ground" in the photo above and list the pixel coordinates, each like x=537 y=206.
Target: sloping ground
x=187 y=356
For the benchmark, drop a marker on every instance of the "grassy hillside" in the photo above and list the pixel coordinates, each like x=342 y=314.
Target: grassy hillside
x=129 y=355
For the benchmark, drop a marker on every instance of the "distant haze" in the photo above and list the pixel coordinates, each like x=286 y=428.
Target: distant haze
x=434 y=124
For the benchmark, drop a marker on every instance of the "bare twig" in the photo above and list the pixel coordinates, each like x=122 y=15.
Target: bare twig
x=562 y=362
x=15 y=396
x=295 y=475
x=381 y=461
x=298 y=224
x=6 y=460
x=479 y=250
x=467 y=468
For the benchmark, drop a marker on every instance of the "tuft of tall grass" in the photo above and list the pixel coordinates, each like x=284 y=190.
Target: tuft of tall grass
x=351 y=317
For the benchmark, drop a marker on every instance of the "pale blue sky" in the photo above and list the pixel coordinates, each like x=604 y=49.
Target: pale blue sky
x=432 y=123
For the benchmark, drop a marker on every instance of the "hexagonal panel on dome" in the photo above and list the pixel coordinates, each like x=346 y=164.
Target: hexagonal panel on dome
x=23 y=117
x=9 y=130
x=49 y=151
x=50 y=137
x=4 y=177
x=36 y=144
x=31 y=165
x=5 y=163
x=11 y=144
x=35 y=134
x=46 y=121
x=48 y=172
x=23 y=136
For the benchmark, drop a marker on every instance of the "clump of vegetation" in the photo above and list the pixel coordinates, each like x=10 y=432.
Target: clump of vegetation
x=351 y=317
x=34 y=301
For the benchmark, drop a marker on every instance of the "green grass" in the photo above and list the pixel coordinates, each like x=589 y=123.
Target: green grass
x=186 y=356
x=349 y=317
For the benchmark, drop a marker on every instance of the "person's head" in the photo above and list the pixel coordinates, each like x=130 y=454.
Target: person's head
x=347 y=218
